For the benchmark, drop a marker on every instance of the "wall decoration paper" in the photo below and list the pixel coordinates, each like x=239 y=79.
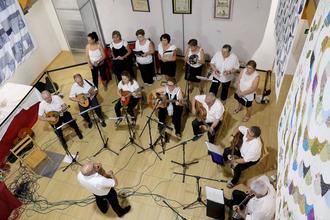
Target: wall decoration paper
x=304 y=130
x=15 y=41
x=287 y=16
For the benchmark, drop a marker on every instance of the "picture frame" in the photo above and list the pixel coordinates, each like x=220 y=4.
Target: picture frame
x=140 y=5
x=222 y=9
x=181 y=6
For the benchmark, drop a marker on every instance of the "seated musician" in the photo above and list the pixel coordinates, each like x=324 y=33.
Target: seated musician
x=129 y=92
x=53 y=103
x=94 y=178
x=259 y=201
x=84 y=90
x=211 y=120
x=248 y=154
x=171 y=104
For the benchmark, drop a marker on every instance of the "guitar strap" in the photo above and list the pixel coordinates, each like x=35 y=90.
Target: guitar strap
x=89 y=83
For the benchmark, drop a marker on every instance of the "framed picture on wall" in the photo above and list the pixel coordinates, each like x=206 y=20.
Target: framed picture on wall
x=181 y=6
x=222 y=8
x=140 y=5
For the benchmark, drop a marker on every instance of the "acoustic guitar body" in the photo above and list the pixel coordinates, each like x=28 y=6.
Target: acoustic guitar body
x=125 y=98
x=83 y=100
x=54 y=114
x=200 y=111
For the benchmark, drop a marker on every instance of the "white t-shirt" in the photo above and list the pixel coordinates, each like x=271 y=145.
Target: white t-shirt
x=224 y=64
x=144 y=48
x=96 y=183
x=246 y=82
x=55 y=105
x=213 y=113
x=128 y=87
x=76 y=89
x=168 y=53
x=250 y=150
x=118 y=45
x=262 y=208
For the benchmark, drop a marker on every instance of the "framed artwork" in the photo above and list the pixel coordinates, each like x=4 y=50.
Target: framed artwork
x=222 y=8
x=140 y=5
x=181 y=6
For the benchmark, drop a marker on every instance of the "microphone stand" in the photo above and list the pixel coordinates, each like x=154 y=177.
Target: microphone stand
x=130 y=131
x=199 y=189
x=160 y=137
x=184 y=164
x=73 y=158
x=148 y=121
x=104 y=141
x=177 y=213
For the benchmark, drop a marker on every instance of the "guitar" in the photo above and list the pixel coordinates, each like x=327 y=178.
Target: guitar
x=56 y=115
x=235 y=215
x=236 y=144
x=83 y=98
x=161 y=101
x=126 y=96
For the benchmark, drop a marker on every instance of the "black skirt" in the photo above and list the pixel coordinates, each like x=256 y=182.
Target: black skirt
x=243 y=101
x=168 y=68
x=192 y=72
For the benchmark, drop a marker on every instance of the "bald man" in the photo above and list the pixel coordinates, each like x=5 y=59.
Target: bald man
x=214 y=112
x=259 y=207
x=55 y=103
x=93 y=177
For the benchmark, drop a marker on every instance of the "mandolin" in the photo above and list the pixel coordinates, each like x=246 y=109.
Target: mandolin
x=236 y=144
x=83 y=98
x=126 y=96
x=56 y=115
x=235 y=215
x=161 y=101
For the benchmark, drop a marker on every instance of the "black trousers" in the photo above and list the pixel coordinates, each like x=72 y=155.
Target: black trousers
x=239 y=167
x=147 y=72
x=95 y=73
x=224 y=91
x=92 y=102
x=196 y=124
x=130 y=107
x=118 y=66
x=176 y=117
x=63 y=119
x=111 y=197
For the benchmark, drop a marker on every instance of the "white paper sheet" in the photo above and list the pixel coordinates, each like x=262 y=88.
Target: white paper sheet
x=215 y=195
x=213 y=148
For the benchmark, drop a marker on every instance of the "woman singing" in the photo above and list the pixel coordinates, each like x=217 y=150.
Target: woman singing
x=194 y=59
x=120 y=53
x=167 y=56
x=96 y=59
x=247 y=85
x=144 y=49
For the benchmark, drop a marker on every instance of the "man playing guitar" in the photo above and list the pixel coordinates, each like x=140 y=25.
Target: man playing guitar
x=170 y=104
x=54 y=104
x=213 y=115
x=84 y=92
x=129 y=92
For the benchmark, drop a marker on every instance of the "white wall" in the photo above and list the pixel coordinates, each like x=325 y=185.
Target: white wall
x=46 y=42
x=244 y=31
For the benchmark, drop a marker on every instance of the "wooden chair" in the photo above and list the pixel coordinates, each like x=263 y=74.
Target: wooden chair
x=32 y=158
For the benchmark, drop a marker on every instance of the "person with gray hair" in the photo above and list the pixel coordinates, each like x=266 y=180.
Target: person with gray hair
x=260 y=201
x=209 y=111
x=94 y=178
x=247 y=155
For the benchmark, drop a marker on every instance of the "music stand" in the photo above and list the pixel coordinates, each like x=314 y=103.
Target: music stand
x=130 y=131
x=104 y=141
x=184 y=164
x=73 y=158
x=199 y=189
x=176 y=212
x=161 y=138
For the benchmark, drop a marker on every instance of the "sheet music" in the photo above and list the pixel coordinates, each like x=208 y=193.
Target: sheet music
x=215 y=195
x=213 y=148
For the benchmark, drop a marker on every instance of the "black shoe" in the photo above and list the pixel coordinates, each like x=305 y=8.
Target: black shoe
x=125 y=211
x=90 y=124
x=80 y=136
x=103 y=124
